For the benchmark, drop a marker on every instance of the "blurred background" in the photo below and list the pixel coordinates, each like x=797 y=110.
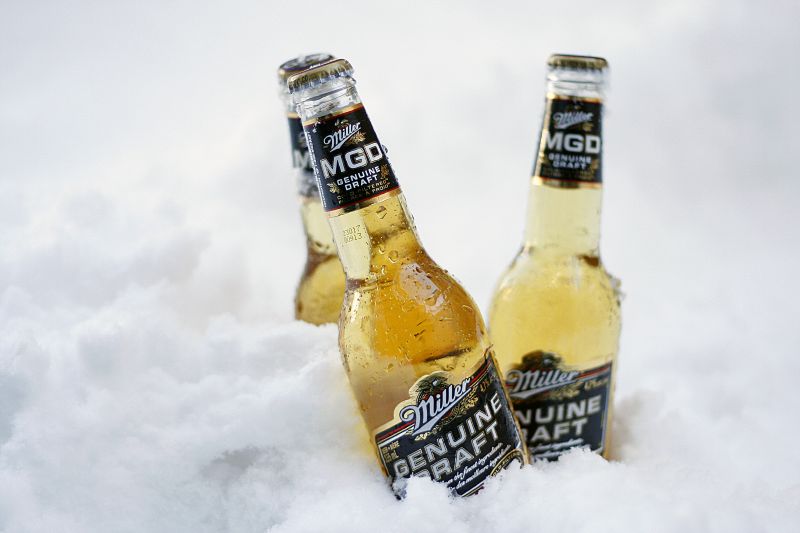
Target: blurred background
x=145 y=173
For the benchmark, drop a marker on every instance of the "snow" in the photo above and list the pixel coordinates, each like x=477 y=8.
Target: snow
x=151 y=377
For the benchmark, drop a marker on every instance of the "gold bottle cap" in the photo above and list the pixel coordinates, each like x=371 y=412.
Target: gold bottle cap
x=299 y=64
x=319 y=74
x=577 y=62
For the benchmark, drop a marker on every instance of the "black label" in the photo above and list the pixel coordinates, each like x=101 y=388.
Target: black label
x=457 y=433
x=301 y=160
x=559 y=408
x=570 y=149
x=350 y=163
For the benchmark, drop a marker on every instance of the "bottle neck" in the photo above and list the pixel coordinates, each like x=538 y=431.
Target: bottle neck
x=330 y=98
x=315 y=223
x=566 y=187
x=375 y=240
x=369 y=218
x=563 y=221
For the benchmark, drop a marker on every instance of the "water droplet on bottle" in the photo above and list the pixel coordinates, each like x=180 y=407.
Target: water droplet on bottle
x=393 y=255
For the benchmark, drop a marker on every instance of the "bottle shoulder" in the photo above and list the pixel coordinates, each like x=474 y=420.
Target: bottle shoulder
x=416 y=282
x=417 y=309
x=533 y=276
x=567 y=307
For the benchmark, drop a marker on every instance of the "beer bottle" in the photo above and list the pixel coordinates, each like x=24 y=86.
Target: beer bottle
x=555 y=316
x=413 y=342
x=319 y=294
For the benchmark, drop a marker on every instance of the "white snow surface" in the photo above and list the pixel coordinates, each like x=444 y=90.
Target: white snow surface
x=151 y=376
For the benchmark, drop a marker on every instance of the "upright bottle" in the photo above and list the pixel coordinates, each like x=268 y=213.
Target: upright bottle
x=413 y=342
x=555 y=317
x=319 y=294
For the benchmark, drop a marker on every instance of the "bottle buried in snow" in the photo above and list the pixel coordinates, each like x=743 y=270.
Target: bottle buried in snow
x=319 y=295
x=555 y=318
x=412 y=340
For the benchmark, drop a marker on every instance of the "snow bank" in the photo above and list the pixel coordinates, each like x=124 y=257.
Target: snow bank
x=151 y=377
x=128 y=421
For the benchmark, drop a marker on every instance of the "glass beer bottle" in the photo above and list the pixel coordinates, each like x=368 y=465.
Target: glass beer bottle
x=319 y=294
x=555 y=316
x=413 y=342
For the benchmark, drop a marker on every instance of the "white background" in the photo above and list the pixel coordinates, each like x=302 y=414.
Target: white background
x=151 y=378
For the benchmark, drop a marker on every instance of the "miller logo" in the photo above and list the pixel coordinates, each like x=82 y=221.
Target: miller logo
x=539 y=372
x=565 y=119
x=336 y=140
x=435 y=399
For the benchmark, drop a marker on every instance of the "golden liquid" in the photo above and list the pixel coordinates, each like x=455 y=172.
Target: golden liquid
x=319 y=295
x=556 y=296
x=404 y=316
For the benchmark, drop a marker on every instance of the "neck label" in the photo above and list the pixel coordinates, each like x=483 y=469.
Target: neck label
x=570 y=150
x=301 y=160
x=350 y=163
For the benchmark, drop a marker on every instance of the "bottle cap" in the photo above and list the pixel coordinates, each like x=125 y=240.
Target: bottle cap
x=299 y=64
x=319 y=74
x=577 y=62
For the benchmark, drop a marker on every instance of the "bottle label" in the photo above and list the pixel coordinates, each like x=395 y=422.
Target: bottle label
x=349 y=161
x=570 y=149
x=559 y=408
x=301 y=160
x=457 y=432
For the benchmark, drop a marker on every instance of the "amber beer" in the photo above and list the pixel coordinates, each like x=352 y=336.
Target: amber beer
x=319 y=294
x=412 y=341
x=555 y=318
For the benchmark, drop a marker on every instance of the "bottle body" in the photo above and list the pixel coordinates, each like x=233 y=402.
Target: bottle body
x=412 y=341
x=320 y=290
x=555 y=316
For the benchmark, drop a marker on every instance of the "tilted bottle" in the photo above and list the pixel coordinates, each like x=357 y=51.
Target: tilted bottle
x=555 y=316
x=413 y=342
x=320 y=291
